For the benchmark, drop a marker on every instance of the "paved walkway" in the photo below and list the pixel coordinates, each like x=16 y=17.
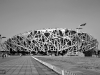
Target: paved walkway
x=24 y=65
x=8 y=58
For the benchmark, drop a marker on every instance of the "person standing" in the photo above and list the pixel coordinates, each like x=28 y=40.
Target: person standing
x=2 y=55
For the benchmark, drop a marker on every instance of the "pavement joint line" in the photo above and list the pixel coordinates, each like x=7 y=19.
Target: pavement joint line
x=31 y=66
x=54 y=68
x=15 y=65
x=21 y=66
x=26 y=66
x=5 y=64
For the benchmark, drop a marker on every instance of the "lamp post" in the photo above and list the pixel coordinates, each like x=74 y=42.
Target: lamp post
x=77 y=29
x=80 y=27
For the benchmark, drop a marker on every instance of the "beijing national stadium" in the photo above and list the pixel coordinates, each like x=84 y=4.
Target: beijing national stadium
x=57 y=42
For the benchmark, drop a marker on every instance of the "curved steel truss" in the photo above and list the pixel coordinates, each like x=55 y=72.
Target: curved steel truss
x=52 y=40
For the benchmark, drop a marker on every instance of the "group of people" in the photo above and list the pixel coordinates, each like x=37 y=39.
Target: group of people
x=4 y=55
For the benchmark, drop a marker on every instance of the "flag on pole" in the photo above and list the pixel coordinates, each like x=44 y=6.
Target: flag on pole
x=83 y=24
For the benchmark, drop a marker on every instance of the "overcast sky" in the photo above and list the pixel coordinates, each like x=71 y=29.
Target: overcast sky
x=18 y=16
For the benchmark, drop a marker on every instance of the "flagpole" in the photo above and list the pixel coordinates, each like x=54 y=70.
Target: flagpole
x=77 y=29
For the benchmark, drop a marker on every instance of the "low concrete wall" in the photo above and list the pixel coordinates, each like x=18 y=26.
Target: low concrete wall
x=54 y=68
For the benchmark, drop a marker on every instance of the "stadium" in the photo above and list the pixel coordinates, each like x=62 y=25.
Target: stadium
x=57 y=41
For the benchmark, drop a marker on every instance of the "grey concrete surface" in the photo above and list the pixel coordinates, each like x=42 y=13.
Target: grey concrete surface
x=24 y=65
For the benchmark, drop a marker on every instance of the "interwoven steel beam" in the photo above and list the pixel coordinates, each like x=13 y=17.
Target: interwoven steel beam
x=57 y=39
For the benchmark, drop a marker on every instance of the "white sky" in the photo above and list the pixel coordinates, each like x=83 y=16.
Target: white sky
x=18 y=16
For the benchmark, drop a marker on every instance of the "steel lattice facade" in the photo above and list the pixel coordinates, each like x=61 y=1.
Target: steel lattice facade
x=48 y=41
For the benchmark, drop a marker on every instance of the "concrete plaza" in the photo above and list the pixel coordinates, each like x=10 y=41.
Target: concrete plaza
x=24 y=65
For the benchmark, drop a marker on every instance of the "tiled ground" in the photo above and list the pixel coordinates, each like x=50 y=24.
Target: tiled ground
x=24 y=65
